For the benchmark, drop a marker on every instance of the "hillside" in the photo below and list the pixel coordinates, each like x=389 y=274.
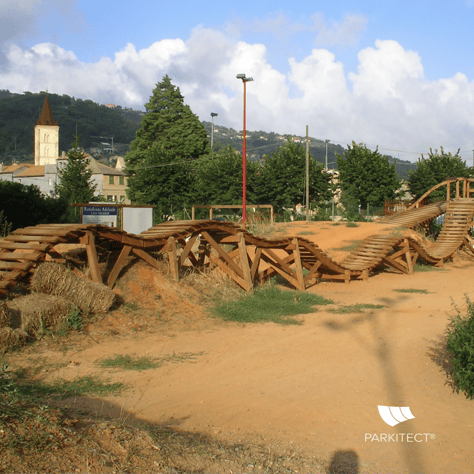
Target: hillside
x=96 y=124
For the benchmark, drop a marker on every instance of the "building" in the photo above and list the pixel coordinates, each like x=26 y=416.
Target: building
x=111 y=183
x=46 y=143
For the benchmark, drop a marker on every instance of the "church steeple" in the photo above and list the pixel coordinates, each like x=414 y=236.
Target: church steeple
x=46 y=115
x=46 y=137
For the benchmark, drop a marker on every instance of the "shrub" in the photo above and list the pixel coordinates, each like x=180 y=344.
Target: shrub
x=460 y=344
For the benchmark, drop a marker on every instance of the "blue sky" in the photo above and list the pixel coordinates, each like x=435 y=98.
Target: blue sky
x=394 y=74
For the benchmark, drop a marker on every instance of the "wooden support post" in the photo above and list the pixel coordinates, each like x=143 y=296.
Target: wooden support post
x=202 y=252
x=192 y=213
x=173 y=258
x=146 y=257
x=255 y=263
x=347 y=276
x=244 y=262
x=187 y=251
x=313 y=272
x=299 y=268
x=448 y=196
x=119 y=264
x=408 y=257
x=89 y=241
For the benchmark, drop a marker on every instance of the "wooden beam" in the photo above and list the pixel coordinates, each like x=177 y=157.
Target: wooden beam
x=187 y=250
x=173 y=259
x=217 y=261
x=146 y=257
x=256 y=261
x=313 y=271
x=280 y=266
x=119 y=264
x=221 y=252
x=244 y=262
x=92 y=256
x=394 y=264
x=299 y=269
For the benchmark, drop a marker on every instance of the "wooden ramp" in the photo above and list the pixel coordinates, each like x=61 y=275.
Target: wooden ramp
x=246 y=258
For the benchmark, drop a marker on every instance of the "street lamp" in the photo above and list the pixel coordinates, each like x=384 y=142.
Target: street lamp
x=326 y=168
x=213 y=114
x=244 y=157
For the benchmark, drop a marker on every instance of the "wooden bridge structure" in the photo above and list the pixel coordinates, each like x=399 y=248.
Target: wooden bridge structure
x=246 y=258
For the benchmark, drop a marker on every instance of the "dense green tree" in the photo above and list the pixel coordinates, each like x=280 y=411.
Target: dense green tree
x=24 y=206
x=367 y=176
x=170 y=137
x=283 y=178
x=433 y=170
x=218 y=178
x=75 y=179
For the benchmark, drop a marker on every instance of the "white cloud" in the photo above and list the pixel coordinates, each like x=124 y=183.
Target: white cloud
x=388 y=101
x=345 y=33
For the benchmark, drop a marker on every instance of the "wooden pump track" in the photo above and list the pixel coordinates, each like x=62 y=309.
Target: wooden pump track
x=246 y=258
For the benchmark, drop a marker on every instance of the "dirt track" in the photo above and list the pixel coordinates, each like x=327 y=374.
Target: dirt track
x=315 y=386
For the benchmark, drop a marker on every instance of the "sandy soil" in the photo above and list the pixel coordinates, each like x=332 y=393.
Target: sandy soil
x=315 y=387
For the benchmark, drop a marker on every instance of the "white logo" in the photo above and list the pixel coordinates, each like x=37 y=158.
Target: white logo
x=394 y=415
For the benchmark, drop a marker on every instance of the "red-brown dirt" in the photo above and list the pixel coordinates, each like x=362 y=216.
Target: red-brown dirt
x=315 y=386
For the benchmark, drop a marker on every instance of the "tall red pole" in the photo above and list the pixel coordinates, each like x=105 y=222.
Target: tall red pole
x=244 y=171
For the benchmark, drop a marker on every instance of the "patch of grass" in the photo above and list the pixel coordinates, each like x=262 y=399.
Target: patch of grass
x=269 y=304
x=352 y=224
x=307 y=232
x=354 y=308
x=87 y=385
x=133 y=362
x=419 y=267
x=350 y=247
x=131 y=306
x=411 y=290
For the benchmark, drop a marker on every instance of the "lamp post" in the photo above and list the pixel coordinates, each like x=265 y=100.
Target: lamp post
x=326 y=168
x=244 y=158
x=213 y=114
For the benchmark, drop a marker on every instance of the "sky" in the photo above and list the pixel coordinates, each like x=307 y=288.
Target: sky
x=397 y=75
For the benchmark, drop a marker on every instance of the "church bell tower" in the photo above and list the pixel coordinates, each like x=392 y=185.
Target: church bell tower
x=46 y=137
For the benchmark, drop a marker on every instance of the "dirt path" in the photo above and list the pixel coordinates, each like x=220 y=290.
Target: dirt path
x=315 y=386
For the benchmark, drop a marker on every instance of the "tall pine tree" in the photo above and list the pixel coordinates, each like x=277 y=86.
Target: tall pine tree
x=75 y=180
x=170 y=137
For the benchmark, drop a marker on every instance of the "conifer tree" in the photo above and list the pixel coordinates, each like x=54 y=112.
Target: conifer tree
x=75 y=179
x=170 y=137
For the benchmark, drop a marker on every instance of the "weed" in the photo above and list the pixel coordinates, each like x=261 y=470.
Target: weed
x=354 y=308
x=74 y=319
x=349 y=247
x=419 y=267
x=460 y=344
x=131 y=306
x=269 y=304
x=133 y=362
x=87 y=385
x=411 y=290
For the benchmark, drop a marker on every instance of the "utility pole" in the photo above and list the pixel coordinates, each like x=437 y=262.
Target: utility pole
x=307 y=174
x=213 y=114
x=326 y=162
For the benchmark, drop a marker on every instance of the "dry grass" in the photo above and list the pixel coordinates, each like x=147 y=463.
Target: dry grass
x=39 y=311
x=11 y=338
x=4 y=315
x=55 y=279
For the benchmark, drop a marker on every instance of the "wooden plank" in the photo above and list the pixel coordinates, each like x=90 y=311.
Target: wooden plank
x=20 y=256
x=279 y=261
x=228 y=271
x=255 y=262
x=35 y=238
x=223 y=254
x=187 y=247
x=119 y=264
x=92 y=258
x=278 y=267
x=11 y=275
x=299 y=269
x=394 y=264
x=244 y=262
x=312 y=272
x=20 y=246
x=173 y=259
x=15 y=265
